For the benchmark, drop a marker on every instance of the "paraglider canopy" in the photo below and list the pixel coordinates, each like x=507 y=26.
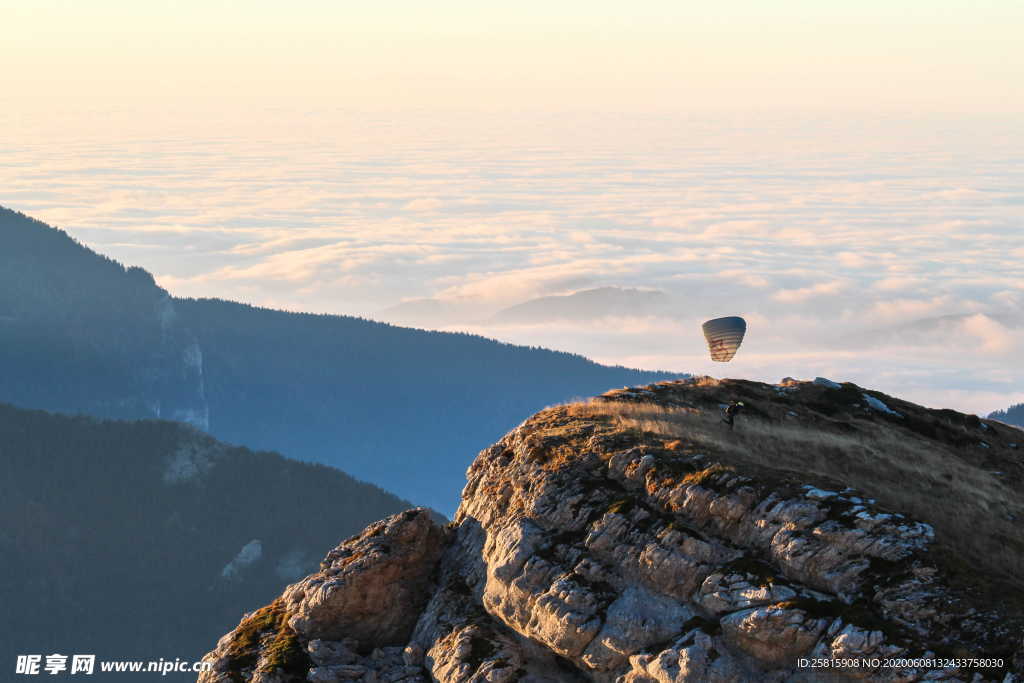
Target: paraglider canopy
x=724 y=336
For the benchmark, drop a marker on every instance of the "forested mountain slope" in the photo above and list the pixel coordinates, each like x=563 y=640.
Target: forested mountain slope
x=81 y=333
x=1013 y=415
x=397 y=406
x=146 y=539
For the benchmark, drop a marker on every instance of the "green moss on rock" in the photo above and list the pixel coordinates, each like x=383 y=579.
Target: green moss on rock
x=265 y=642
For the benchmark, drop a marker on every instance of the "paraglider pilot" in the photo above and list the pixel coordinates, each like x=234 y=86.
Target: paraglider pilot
x=730 y=412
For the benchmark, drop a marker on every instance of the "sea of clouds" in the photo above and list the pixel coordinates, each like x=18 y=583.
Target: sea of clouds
x=885 y=250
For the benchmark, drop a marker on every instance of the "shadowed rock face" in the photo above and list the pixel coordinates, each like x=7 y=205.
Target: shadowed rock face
x=371 y=589
x=591 y=548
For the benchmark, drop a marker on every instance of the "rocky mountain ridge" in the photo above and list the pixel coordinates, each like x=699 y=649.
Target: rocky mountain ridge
x=636 y=538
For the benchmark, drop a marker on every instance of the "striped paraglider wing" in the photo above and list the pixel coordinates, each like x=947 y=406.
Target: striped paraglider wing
x=724 y=337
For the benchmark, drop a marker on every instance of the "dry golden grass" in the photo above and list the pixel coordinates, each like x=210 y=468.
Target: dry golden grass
x=969 y=506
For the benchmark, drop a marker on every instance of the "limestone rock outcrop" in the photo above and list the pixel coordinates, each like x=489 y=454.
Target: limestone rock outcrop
x=635 y=539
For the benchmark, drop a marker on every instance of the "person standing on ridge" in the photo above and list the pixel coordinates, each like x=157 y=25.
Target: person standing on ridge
x=730 y=412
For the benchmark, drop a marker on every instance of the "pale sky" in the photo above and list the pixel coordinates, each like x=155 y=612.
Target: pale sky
x=832 y=171
x=948 y=55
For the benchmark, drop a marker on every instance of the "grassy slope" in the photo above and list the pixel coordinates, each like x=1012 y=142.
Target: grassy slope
x=928 y=464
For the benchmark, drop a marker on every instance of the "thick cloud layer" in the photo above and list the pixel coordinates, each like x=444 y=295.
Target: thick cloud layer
x=834 y=236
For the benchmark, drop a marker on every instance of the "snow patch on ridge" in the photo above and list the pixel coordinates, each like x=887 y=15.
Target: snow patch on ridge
x=875 y=404
x=251 y=552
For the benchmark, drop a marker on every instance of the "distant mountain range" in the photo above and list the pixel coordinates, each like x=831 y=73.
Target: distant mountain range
x=588 y=304
x=924 y=329
x=582 y=305
x=430 y=313
x=147 y=539
x=406 y=409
